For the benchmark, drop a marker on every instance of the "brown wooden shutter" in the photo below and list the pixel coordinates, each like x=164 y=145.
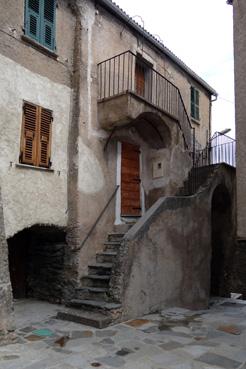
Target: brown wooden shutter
x=44 y=145
x=29 y=134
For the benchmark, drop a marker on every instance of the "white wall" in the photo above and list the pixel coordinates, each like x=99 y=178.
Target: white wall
x=32 y=196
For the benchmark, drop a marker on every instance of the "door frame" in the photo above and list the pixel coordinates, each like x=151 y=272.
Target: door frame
x=118 y=218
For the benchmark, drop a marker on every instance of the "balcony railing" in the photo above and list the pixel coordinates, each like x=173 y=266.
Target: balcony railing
x=128 y=73
x=223 y=153
x=203 y=159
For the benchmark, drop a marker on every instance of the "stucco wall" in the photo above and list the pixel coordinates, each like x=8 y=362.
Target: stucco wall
x=240 y=95
x=32 y=196
x=103 y=36
x=107 y=30
x=14 y=47
x=165 y=257
x=6 y=322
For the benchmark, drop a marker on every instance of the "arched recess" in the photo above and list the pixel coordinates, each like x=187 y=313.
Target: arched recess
x=221 y=241
x=36 y=263
x=153 y=130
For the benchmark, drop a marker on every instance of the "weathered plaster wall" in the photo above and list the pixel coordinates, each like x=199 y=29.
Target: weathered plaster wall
x=32 y=196
x=97 y=168
x=106 y=27
x=6 y=316
x=169 y=260
x=240 y=96
x=14 y=47
x=165 y=258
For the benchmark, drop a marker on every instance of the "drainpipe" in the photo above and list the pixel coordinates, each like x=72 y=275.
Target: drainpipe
x=210 y=114
x=210 y=118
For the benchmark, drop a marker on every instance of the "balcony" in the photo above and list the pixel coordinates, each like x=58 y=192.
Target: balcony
x=128 y=87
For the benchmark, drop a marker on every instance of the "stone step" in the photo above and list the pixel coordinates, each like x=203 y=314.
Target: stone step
x=112 y=245
x=94 y=280
x=92 y=293
x=100 y=269
x=121 y=228
x=94 y=305
x=106 y=256
x=90 y=318
x=115 y=236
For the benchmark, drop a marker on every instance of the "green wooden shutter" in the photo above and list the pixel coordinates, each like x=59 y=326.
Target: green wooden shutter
x=32 y=19
x=197 y=102
x=192 y=101
x=48 y=23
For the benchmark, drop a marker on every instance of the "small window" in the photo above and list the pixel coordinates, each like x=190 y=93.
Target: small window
x=195 y=97
x=40 y=21
x=36 y=136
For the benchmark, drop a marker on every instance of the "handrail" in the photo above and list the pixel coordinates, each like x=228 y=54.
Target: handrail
x=117 y=75
x=98 y=218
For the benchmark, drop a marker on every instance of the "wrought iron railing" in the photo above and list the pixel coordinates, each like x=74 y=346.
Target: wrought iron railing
x=128 y=73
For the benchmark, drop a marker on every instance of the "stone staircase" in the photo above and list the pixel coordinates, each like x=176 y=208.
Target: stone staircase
x=198 y=177
x=92 y=304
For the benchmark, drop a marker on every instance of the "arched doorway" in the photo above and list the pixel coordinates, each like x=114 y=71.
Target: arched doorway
x=221 y=241
x=36 y=263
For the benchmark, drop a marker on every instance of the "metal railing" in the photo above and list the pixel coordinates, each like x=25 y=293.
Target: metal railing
x=128 y=73
x=98 y=218
x=204 y=159
x=224 y=153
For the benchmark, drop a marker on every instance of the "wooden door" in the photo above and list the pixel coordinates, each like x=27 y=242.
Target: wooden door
x=140 y=79
x=130 y=180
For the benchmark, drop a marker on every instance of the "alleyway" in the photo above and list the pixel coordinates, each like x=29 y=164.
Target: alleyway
x=179 y=339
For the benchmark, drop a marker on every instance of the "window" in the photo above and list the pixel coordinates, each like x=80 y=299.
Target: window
x=40 y=21
x=36 y=136
x=195 y=113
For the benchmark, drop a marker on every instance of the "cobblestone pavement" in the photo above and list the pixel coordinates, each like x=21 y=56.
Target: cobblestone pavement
x=179 y=339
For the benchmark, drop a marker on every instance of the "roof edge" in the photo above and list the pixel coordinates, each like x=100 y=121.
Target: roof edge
x=117 y=11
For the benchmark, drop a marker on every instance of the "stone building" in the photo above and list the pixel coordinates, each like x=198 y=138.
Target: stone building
x=97 y=132
x=239 y=15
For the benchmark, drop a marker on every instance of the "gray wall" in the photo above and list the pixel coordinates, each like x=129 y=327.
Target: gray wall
x=240 y=95
x=165 y=258
x=6 y=316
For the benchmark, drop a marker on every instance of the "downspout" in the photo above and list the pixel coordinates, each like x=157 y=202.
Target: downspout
x=210 y=115
x=210 y=119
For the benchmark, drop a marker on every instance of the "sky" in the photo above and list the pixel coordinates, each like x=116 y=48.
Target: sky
x=200 y=33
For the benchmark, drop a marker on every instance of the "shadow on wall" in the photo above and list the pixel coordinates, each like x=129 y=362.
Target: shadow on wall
x=36 y=263
x=221 y=241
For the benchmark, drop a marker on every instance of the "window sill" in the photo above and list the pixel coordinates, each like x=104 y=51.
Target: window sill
x=39 y=47
x=195 y=121
x=26 y=166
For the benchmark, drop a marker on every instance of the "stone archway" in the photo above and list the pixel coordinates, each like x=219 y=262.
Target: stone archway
x=36 y=263
x=221 y=241
x=154 y=130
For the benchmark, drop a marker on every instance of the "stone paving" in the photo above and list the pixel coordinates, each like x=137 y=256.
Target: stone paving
x=175 y=339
